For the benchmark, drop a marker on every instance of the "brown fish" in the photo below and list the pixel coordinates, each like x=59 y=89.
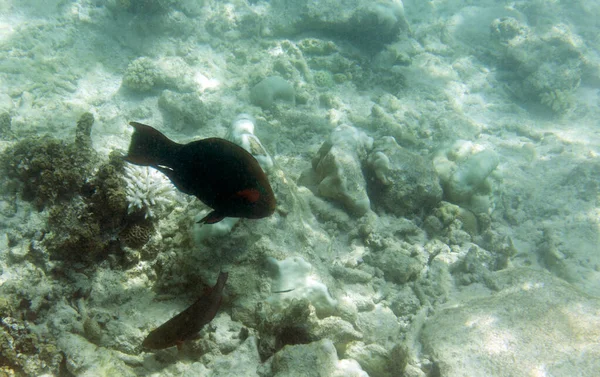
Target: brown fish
x=221 y=174
x=189 y=322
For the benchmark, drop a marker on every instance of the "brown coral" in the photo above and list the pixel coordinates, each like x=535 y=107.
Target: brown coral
x=50 y=170
x=137 y=235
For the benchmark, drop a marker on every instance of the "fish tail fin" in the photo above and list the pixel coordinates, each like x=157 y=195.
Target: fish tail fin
x=149 y=147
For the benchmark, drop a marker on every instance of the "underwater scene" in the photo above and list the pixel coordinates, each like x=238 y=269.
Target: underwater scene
x=299 y=188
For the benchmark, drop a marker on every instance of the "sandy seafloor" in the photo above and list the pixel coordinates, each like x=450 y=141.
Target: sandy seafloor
x=437 y=177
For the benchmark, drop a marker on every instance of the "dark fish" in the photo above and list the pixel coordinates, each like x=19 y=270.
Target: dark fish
x=221 y=174
x=189 y=322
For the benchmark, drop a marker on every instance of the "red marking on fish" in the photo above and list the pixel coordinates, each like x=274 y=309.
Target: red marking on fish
x=250 y=195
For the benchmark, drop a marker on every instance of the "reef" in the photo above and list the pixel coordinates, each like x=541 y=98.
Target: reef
x=413 y=174
x=5 y=125
x=22 y=351
x=85 y=229
x=47 y=170
x=141 y=75
x=549 y=68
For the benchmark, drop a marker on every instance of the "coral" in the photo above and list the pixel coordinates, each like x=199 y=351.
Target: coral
x=105 y=192
x=148 y=190
x=185 y=110
x=313 y=46
x=23 y=352
x=241 y=132
x=323 y=79
x=547 y=68
x=452 y=224
x=83 y=132
x=136 y=235
x=559 y=101
x=88 y=228
x=341 y=78
x=5 y=125
x=75 y=234
x=141 y=75
x=507 y=28
x=271 y=89
x=48 y=170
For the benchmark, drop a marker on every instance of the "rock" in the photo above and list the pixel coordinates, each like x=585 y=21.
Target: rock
x=546 y=68
x=313 y=360
x=471 y=175
x=184 y=111
x=337 y=330
x=397 y=264
x=372 y=357
x=295 y=273
x=399 y=181
x=363 y=22
x=337 y=170
x=535 y=324
x=405 y=302
x=86 y=359
x=463 y=169
x=242 y=132
x=239 y=362
x=379 y=325
x=271 y=89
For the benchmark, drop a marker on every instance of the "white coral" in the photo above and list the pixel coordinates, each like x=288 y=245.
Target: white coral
x=148 y=189
x=241 y=132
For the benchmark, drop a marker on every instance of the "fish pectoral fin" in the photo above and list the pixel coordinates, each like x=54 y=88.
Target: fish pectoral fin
x=212 y=218
x=163 y=168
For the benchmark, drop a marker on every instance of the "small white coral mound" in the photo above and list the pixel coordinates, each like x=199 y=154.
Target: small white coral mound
x=241 y=132
x=148 y=190
x=293 y=279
